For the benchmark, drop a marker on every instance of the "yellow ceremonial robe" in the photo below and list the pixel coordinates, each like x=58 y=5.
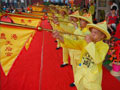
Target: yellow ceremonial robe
x=65 y=50
x=75 y=54
x=68 y=27
x=89 y=72
x=66 y=18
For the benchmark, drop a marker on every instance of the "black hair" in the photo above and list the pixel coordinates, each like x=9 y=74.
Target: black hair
x=114 y=8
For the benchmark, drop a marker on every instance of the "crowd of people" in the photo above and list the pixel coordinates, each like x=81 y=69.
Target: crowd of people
x=85 y=46
x=12 y=9
x=87 y=58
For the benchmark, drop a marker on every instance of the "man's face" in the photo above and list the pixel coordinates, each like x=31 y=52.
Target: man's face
x=62 y=13
x=84 y=11
x=74 y=19
x=83 y=23
x=96 y=35
x=69 y=11
x=113 y=11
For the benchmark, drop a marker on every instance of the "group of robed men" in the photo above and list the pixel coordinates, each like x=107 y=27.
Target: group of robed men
x=83 y=42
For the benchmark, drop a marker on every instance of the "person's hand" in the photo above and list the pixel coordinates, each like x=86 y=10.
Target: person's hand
x=57 y=35
x=88 y=39
x=75 y=24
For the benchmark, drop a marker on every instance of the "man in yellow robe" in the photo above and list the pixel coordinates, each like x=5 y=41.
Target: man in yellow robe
x=62 y=17
x=81 y=30
x=56 y=26
x=63 y=21
x=89 y=71
x=70 y=28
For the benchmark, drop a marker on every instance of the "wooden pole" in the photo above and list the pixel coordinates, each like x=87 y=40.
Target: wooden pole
x=39 y=28
x=23 y=15
x=18 y=25
x=49 y=30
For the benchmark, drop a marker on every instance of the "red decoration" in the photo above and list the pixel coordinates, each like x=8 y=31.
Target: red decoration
x=8 y=49
x=8 y=43
x=14 y=36
x=30 y=21
x=22 y=21
x=8 y=53
x=2 y=36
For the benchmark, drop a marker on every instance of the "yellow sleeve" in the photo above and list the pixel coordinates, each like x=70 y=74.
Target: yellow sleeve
x=97 y=51
x=52 y=24
x=63 y=25
x=49 y=14
x=67 y=27
x=74 y=44
x=59 y=28
x=56 y=27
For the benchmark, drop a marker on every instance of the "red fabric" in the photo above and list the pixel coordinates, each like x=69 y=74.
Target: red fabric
x=112 y=20
x=109 y=82
x=25 y=73
x=117 y=34
x=28 y=8
x=5 y=18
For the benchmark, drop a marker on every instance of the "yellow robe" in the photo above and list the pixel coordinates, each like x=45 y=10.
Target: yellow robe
x=89 y=72
x=67 y=28
x=75 y=54
x=66 y=18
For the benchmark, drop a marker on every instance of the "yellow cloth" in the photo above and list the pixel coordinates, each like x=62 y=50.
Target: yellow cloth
x=58 y=15
x=25 y=20
x=75 y=54
x=49 y=14
x=65 y=50
x=52 y=11
x=56 y=27
x=27 y=45
x=12 y=40
x=80 y=31
x=0 y=14
x=36 y=8
x=68 y=27
x=66 y=18
x=92 y=9
x=39 y=15
x=65 y=55
x=35 y=12
x=89 y=75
